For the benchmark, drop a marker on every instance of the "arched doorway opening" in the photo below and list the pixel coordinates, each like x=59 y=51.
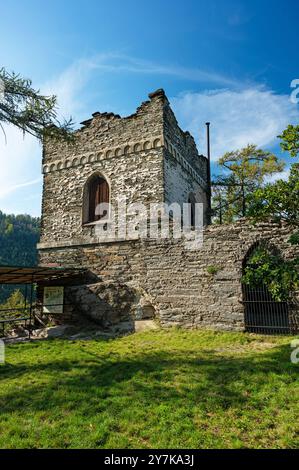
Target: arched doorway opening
x=262 y=313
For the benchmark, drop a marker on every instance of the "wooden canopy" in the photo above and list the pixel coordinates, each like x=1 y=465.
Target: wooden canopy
x=35 y=274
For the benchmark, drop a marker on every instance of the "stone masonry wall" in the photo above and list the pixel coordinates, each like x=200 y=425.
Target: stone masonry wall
x=179 y=184
x=176 y=280
x=144 y=157
x=128 y=152
x=127 y=177
x=185 y=171
x=182 y=143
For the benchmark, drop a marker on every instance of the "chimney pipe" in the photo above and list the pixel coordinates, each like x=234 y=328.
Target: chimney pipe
x=209 y=186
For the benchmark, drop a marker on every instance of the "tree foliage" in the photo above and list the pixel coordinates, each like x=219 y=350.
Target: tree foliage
x=245 y=172
x=278 y=201
x=14 y=305
x=29 y=110
x=280 y=276
x=290 y=140
x=18 y=238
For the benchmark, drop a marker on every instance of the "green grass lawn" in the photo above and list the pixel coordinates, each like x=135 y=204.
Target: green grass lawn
x=158 y=389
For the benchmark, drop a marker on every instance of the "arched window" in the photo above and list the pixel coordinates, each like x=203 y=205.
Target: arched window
x=96 y=192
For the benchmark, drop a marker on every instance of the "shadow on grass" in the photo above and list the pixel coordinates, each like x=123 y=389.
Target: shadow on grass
x=83 y=383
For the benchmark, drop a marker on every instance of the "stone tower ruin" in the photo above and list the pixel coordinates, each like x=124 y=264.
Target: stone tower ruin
x=143 y=158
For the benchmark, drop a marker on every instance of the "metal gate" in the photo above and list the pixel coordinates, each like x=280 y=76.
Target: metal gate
x=263 y=314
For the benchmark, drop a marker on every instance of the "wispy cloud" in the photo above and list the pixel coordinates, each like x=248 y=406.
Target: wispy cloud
x=20 y=163
x=20 y=158
x=11 y=189
x=239 y=114
x=238 y=117
x=284 y=175
x=124 y=63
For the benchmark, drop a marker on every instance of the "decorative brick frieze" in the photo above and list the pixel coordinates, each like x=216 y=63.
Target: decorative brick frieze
x=103 y=154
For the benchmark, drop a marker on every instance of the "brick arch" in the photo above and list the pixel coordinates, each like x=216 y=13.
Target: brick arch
x=157 y=143
x=137 y=147
x=91 y=158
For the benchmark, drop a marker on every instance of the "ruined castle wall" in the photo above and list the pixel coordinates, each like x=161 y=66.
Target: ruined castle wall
x=175 y=280
x=145 y=158
x=128 y=177
x=182 y=145
x=185 y=171
x=128 y=152
x=180 y=183
x=108 y=133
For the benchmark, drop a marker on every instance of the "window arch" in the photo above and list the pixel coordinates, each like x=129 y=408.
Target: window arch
x=96 y=191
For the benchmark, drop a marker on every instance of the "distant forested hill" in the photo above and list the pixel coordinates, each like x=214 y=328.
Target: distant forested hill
x=18 y=237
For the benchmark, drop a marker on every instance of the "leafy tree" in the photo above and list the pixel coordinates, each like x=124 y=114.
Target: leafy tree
x=14 y=304
x=29 y=110
x=223 y=199
x=247 y=169
x=18 y=237
x=218 y=204
x=280 y=276
x=278 y=201
x=290 y=140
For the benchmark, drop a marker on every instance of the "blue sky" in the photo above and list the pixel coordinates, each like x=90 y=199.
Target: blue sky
x=230 y=62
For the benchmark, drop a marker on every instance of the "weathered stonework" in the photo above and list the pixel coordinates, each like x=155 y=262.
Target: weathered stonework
x=145 y=158
x=177 y=280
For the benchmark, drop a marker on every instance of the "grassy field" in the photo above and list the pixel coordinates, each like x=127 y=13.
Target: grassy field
x=160 y=389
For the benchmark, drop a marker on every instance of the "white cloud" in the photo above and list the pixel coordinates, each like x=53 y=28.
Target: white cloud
x=238 y=117
x=68 y=88
x=21 y=155
x=284 y=175
x=20 y=163
x=5 y=191
x=115 y=62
